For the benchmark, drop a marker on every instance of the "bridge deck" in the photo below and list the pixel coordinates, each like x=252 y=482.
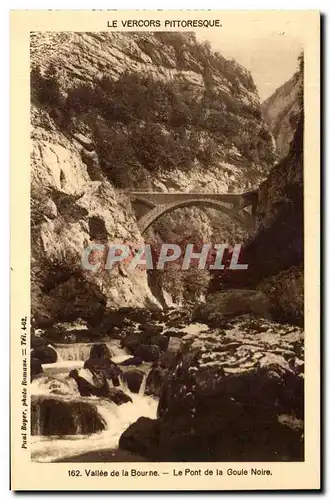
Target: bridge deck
x=160 y=197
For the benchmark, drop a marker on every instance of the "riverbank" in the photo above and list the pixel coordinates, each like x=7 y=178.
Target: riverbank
x=229 y=387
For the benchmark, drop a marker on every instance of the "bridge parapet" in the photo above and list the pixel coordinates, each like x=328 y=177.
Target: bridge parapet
x=161 y=198
x=231 y=204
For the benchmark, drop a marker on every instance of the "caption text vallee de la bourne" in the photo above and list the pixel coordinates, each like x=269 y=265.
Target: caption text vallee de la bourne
x=178 y=472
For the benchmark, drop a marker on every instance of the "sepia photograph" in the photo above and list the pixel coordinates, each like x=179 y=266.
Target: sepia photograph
x=167 y=281
x=156 y=138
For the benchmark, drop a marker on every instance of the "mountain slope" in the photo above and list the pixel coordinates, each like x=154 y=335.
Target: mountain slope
x=175 y=105
x=112 y=111
x=281 y=111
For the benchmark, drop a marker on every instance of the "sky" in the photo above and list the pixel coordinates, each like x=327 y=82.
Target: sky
x=271 y=59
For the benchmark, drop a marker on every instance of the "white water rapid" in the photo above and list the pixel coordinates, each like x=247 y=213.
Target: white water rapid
x=56 y=383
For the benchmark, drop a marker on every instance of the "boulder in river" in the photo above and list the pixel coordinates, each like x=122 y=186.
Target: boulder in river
x=51 y=416
x=115 y=324
x=100 y=351
x=54 y=386
x=46 y=354
x=132 y=361
x=159 y=371
x=138 y=315
x=147 y=353
x=108 y=455
x=124 y=317
x=235 y=394
x=103 y=367
x=141 y=438
x=133 y=379
x=38 y=342
x=118 y=396
x=160 y=340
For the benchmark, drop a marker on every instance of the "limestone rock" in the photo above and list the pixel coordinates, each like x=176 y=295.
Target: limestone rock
x=103 y=367
x=160 y=340
x=132 y=341
x=82 y=156
x=159 y=371
x=60 y=179
x=285 y=291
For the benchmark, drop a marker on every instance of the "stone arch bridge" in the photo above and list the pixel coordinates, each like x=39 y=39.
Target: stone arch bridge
x=240 y=207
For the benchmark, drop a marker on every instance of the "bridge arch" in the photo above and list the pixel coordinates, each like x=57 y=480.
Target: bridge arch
x=237 y=214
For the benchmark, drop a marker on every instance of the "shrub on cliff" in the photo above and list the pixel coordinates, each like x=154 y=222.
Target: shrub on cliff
x=166 y=126
x=160 y=112
x=157 y=148
x=117 y=157
x=185 y=286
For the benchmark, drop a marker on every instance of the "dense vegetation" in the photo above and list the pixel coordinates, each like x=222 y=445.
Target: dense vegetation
x=140 y=124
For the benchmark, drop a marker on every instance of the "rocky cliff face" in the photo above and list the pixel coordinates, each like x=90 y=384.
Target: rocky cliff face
x=112 y=111
x=68 y=212
x=279 y=239
x=202 y=111
x=275 y=253
x=282 y=110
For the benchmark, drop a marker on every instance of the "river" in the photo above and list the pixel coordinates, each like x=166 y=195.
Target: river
x=56 y=383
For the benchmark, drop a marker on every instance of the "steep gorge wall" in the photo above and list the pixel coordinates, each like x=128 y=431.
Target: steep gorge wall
x=281 y=110
x=279 y=241
x=202 y=111
x=68 y=208
x=275 y=253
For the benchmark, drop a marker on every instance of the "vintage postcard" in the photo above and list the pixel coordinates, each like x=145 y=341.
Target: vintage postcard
x=165 y=274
